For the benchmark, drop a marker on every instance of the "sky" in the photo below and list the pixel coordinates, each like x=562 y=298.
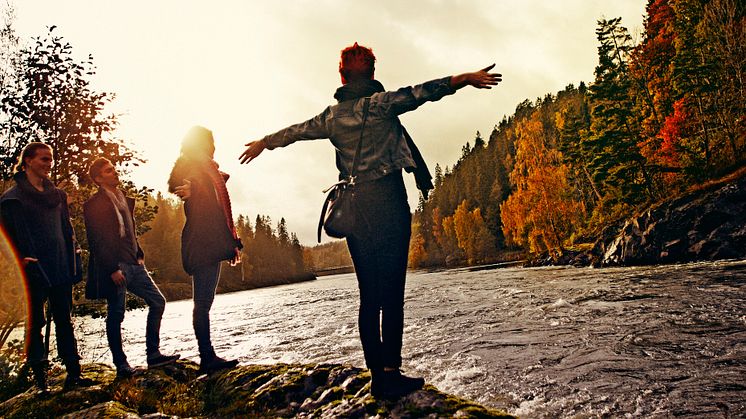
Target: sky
x=245 y=69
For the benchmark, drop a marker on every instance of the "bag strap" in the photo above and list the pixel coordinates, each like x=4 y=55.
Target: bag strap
x=323 y=213
x=353 y=172
x=333 y=189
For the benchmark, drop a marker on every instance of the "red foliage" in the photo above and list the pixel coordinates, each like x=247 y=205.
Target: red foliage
x=676 y=128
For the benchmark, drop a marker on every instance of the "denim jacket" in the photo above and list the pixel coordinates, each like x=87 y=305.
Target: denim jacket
x=385 y=147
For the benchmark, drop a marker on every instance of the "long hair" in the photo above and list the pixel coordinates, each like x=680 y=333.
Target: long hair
x=197 y=143
x=196 y=148
x=29 y=152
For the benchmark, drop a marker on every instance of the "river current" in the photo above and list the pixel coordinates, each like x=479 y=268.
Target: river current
x=659 y=341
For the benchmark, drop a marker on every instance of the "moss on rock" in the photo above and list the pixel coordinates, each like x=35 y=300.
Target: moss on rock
x=281 y=390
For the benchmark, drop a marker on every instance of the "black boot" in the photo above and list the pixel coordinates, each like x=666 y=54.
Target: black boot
x=393 y=385
x=73 y=378
x=215 y=363
x=40 y=376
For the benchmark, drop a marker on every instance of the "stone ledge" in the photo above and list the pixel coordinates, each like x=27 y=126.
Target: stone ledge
x=280 y=390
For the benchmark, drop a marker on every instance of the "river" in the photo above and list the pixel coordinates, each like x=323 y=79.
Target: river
x=656 y=341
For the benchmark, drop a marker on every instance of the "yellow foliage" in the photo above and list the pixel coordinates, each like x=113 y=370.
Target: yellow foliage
x=417 y=252
x=541 y=213
x=472 y=234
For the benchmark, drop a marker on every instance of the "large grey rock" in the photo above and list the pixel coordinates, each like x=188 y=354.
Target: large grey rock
x=702 y=225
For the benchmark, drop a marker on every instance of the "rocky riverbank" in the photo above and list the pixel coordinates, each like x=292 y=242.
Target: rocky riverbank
x=282 y=390
x=702 y=225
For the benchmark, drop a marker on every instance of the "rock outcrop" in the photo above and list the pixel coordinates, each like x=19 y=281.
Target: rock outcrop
x=702 y=225
x=282 y=390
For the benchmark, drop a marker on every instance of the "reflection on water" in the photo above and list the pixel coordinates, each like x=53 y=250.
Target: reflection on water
x=654 y=341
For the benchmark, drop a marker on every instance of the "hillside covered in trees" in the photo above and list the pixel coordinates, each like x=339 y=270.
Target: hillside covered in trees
x=661 y=116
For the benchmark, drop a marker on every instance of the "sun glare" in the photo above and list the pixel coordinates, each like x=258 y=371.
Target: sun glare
x=12 y=295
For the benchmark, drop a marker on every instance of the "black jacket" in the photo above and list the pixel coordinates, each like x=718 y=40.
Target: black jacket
x=102 y=229
x=206 y=238
x=15 y=219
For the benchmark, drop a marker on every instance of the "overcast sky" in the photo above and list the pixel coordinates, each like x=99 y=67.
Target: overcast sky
x=248 y=68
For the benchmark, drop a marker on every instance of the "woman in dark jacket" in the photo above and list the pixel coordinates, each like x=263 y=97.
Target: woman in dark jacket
x=380 y=243
x=37 y=220
x=209 y=235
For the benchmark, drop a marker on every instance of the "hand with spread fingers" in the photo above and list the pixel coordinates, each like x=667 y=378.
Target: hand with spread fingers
x=253 y=149
x=481 y=79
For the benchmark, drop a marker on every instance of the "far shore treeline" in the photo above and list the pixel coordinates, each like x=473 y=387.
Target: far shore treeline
x=662 y=115
x=271 y=255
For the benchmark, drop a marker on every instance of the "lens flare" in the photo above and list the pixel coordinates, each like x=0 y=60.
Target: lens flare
x=12 y=292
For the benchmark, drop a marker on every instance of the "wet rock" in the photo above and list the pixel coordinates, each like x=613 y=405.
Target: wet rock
x=282 y=390
x=703 y=225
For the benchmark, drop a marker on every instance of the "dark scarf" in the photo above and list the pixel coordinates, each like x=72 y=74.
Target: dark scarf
x=358 y=89
x=365 y=88
x=48 y=198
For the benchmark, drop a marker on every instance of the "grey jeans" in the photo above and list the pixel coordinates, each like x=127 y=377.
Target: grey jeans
x=141 y=284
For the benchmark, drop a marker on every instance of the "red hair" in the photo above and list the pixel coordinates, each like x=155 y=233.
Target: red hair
x=356 y=62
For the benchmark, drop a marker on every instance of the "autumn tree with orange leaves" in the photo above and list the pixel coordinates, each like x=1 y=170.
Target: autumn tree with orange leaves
x=541 y=213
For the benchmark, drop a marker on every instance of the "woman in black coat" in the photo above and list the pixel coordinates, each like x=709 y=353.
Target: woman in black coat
x=37 y=220
x=209 y=235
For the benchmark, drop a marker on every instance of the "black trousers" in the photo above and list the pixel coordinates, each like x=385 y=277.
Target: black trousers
x=379 y=249
x=60 y=299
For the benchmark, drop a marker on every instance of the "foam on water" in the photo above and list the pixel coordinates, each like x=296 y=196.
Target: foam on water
x=548 y=342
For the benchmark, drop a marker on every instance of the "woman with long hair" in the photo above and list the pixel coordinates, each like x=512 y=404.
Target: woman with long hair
x=209 y=236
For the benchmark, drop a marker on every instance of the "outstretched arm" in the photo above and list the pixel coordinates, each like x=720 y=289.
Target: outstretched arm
x=408 y=99
x=481 y=79
x=312 y=129
x=253 y=149
x=397 y=103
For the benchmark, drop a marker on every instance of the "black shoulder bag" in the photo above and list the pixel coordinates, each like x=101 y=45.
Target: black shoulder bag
x=338 y=212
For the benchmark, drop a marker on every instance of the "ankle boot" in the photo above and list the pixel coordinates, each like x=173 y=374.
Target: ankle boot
x=72 y=368
x=40 y=376
x=73 y=378
x=214 y=364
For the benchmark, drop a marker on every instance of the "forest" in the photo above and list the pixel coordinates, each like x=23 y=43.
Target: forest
x=660 y=117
